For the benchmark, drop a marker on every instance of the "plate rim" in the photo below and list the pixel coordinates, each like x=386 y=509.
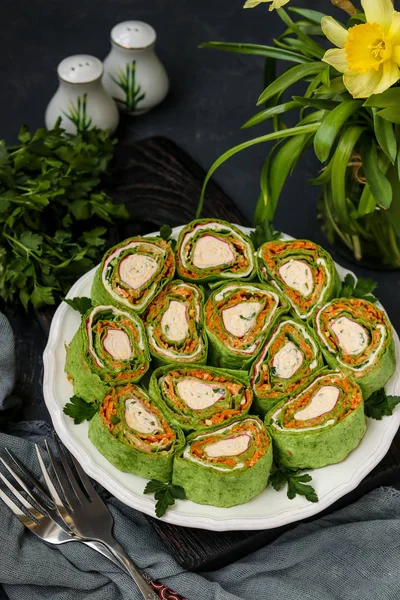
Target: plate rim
x=146 y=504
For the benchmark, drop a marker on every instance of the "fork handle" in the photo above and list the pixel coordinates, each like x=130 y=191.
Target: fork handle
x=118 y=551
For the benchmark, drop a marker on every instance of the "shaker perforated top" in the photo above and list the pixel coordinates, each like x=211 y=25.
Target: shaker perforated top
x=80 y=68
x=134 y=35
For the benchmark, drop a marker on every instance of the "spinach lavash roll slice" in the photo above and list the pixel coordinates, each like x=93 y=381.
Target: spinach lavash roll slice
x=110 y=347
x=319 y=425
x=195 y=397
x=356 y=337
x=209 y=249
x=174 y=324
x=226 y=466
x=289 y=358
x=133 y=272
x=238 y=317
x=133 y=434
x=302 y=270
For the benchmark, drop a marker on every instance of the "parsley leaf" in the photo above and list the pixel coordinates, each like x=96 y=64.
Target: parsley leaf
x=52 y=212
x=296 y=483
x=80 y=303
x=380 y=405
x=165 y=494
x=165 y=232
x=264 y=233
x=363 y=288
x=79 y=410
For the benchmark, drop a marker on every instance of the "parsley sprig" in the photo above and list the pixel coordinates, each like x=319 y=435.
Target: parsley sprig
x=362 y=288
x=165 y=234
x=165 y=494
x=51 y=212
x=79 y=410
x=80 y=303
x=296 y=483
x=264 y=233
x=380 y=405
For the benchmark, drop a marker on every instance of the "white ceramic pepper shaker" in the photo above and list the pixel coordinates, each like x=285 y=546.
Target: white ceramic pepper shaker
x=81 y=100
x=133 y=74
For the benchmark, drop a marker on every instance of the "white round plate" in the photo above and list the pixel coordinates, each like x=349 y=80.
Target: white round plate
x=268 y=510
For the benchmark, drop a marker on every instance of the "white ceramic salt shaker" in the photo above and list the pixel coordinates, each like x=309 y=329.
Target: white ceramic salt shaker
x=133 y=74
x=81 y=100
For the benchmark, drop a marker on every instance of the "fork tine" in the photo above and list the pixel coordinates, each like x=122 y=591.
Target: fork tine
x=93 y=495
x=12 y=506
x=29 y=477
x=60 y=478
x=33 y=512
x=61 y=506
x=67 y=476
x=17 y=478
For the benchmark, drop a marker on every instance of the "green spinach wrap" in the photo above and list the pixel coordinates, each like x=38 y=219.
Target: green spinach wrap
x=109 y=347
x=319 y=425
x=133 y=434
x=195 y=397
x=286 y=363
x=174 y=324
x=356 y=337
x=133 y=272
x=239 y=316
x=226 y=466
x=302 y=270
x=209 y=249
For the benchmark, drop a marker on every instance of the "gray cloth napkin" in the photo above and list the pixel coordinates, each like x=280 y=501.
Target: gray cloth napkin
x=351 y=554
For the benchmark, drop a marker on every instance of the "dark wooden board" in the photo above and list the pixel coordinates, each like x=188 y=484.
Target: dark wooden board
x=160 y=183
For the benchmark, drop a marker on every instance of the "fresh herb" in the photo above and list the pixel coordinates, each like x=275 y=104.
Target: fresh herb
x=49 y=203
x=165 y=494
x=114 y=420
x=296 y=483
x=263 y=233
x=165 y=232
x=80 y=303
x=362 y=288
x=249 y=318
x=380 y=405
x=79 y=410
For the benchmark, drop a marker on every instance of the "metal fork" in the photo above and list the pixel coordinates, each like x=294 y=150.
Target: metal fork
x=87 y=515
x=45 y=523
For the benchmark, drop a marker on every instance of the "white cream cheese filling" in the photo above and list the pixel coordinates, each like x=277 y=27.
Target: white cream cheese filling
x=174 y=322
x=139 y=418
x=352 y=337
x=324 y=401
x=298 y=276
x=241 y=318
x=287 y=361
x=210 y=251
x=229 y=447
x=135 y=269
x=199 y=395
x=117 y=343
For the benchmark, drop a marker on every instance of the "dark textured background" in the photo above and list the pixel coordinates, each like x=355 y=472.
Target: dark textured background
x=211 y=95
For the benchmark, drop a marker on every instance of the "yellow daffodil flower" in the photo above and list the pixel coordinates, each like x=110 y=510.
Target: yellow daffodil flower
x=368 y=55
x=274 y=3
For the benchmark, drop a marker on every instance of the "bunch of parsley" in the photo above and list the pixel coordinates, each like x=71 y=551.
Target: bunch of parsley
x=49 y=204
